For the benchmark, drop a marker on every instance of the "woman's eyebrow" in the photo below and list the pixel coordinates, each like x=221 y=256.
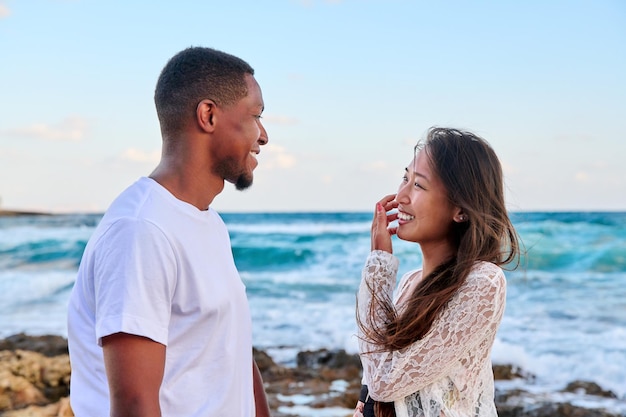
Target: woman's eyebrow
x=417 y=174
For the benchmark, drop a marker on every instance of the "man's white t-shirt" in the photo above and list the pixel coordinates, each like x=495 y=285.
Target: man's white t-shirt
x=160 y=268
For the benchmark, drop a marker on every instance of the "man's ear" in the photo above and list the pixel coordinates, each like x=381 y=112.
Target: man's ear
x=205 y=115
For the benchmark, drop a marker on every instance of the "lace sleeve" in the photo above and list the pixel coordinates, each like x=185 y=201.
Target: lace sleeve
x=471 y=316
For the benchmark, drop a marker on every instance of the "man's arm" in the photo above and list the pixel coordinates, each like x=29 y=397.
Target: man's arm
x=134 y=367
x=260 y=399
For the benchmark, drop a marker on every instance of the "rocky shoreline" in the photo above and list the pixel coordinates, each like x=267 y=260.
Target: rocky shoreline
x=35 y=375
x=14 y=213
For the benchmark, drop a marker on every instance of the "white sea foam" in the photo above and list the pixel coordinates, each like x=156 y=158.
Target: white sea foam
x=504 y=353
x=34 y=302
x=300 y=229
x=306 y=411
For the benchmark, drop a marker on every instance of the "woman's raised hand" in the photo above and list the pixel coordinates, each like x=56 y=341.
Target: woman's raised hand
x=381 y=233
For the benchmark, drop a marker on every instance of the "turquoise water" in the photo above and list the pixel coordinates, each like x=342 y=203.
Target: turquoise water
x=566 y=304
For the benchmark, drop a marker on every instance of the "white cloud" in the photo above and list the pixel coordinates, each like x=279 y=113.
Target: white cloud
x=311 y=3
x=581 y=176
x=574 y=138
x=276 y=157
x=4 y=11
x=376 y=166
x=72 y=128
x=599 y=165
x=508 y=169
x=280 y=120
x=137 y=155
x=410 y=142
x=295 y=77
x=8 y=153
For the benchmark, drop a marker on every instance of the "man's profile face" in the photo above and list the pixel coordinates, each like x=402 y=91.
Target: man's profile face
x=240 y=137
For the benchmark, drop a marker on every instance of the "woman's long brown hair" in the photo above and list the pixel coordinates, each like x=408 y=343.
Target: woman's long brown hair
x=472 y=175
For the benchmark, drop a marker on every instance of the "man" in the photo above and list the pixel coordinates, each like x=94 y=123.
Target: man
x=158 y=320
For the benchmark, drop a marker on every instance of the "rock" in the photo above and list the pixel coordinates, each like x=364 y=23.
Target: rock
x=270 y=370
x=65 y=409
x=589 y=388
x=59 y=409
x=508 y=372
x=314 y=375
x=521 y=403
x=566 y=410
x=32 y=379
x=334 y=359
x=48 y=345
x=17 y=392
x=49 y=374
x=35 y=383
x=331 y=365
x=263 y=360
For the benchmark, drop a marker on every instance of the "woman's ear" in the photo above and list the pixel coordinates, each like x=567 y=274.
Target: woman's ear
x=205 y=115
x=460 y=216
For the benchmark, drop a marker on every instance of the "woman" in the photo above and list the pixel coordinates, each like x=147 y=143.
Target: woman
x=426 y=351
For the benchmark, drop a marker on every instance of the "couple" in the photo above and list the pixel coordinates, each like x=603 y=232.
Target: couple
x=158 y=320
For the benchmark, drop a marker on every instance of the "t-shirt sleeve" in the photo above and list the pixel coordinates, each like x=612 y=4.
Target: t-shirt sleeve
x=134 y=280
x=474 y=313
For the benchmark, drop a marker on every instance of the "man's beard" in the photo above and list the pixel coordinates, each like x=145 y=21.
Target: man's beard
x=230 y=170
x=243 y=181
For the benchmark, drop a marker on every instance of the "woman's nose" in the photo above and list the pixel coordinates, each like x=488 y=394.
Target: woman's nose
x=403 y=196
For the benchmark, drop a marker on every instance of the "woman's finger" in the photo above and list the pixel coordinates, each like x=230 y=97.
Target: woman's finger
x=389 y=202
x=381 y=239
x=358 y=410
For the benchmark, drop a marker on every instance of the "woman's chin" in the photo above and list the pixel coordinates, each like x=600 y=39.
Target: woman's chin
x=404 y=234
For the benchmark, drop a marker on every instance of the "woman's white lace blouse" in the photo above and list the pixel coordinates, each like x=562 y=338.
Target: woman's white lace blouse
x=448 y=372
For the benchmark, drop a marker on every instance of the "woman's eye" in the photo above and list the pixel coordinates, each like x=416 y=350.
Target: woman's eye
x=416 y=184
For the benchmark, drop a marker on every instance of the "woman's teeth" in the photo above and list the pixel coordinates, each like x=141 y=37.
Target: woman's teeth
x=405 y=217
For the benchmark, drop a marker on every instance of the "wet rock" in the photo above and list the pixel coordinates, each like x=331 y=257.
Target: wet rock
x=35 y=383
x=508 y=372
x=566 y=410
x=521 y=403
x=331 y=365
x=316 y=374
x=333 y=359
x=270 y=370
x=589 y=388
x=48 y=345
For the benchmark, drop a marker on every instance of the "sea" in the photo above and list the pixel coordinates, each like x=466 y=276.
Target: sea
x=565 y=318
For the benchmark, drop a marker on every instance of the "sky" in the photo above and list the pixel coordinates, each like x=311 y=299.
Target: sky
x=349 y=87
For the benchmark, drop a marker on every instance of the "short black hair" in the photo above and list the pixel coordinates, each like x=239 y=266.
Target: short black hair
x=195 y=74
